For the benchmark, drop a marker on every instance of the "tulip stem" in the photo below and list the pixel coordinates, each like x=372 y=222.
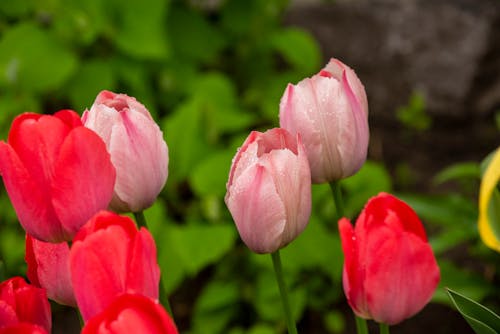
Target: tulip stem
x=361 y=326
x=141 y=222
x=337 y=197
x=283 y=292
x=384 y=328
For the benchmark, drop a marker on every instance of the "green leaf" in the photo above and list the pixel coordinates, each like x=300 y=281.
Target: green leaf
x=469 y=283
x=298 y=48
x=214 y=308
x=479 y=317
x=91 y=78
x=200 y=245
x=457 y=172
x=186 y=138
x=209 y=177
x=192 y=36
x=32 y=59
x=413 y=115
x=140 y=28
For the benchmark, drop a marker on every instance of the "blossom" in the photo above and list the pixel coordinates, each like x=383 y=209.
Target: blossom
x=269 y=190
x=330 y=111
x=57 y=173
x=109 y=257
x=138 y=150
x=390 y=272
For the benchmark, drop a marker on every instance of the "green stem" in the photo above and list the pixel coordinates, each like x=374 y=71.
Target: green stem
x=384 y=328
x=361 y=326
x=141 y=222
x=337 y=197
x=284 y=296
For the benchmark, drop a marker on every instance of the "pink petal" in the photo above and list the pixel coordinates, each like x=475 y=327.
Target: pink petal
x=253 y=194
x=140 y=155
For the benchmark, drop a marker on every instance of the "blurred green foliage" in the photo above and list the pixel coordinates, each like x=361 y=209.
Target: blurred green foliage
x=209 y=74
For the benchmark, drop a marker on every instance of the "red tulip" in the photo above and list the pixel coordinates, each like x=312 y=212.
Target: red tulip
x=390 y=272
x=109 y=257
x=23 y=328
x=21 y=302
x=330 y=111
x=57 y=173
x=131 y=313
x=48 y=268
x=138 y=150
x=269 y=190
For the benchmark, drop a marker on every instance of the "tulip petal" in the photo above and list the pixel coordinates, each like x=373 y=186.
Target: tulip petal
x=489 y=229
x=148 y=281
x=7 y=314
x=262 y=219
x=137 y=142
x=83 y=154
x=48 y=267
x=399 y=284
x=98 y=268
x=31 y=203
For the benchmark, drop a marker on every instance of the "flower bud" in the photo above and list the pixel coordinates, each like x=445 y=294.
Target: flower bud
x=269 y=190
x=138 y=150
x=109 y=257
x=57 y=173
x=390 y=272
x=330 y=111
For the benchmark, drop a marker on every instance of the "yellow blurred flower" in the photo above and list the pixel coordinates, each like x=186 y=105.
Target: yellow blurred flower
x=489 y=220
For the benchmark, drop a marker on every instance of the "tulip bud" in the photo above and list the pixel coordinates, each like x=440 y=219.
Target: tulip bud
x=109 y=257
x=330 y=111
x=48 y=268
x=131 y=312
x=57 y=173
x=21 y=303
x=138 y=150
x=390 y=272
x=269 y=190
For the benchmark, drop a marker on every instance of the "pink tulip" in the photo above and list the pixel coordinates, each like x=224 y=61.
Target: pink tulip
x=21 y=302
x=138 y=150
x=269 y=190
x=109 y=257
x=131 y=313
x=390 y=272
x=57 y=173
x=48 y=268
x=330 y=111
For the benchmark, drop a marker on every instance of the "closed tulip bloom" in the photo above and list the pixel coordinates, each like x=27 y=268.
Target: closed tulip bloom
x=21 y=302
x=57 y=173
x=390 y=272
x=131 y=313
x=48 y=268
x=109 y=257
x=269 y=190
x=138 y=150
x=330 y=111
